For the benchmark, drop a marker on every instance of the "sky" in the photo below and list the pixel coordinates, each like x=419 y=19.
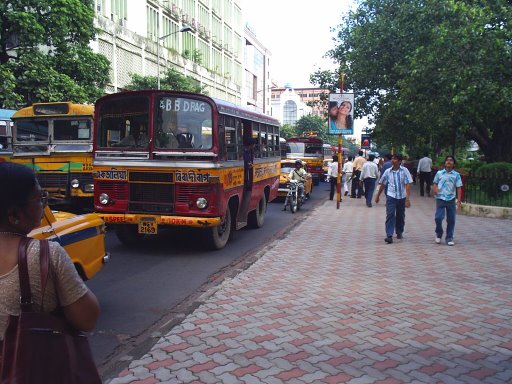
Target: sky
x=297 y=33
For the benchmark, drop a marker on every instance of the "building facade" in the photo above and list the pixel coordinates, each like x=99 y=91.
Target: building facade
x=290 y=104
x=212 y=52
x=257 y=87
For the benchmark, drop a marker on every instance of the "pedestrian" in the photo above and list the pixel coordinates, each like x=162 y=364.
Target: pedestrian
x=347 y=174
x=369 y=175
x=424 y=171
x=332 y=173
x=447 y=190
x=22 y=205
x=398 y=181
x=357 y=186
x=386 y=164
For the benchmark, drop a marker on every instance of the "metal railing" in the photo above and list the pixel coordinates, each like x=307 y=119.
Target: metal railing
x=488 y=189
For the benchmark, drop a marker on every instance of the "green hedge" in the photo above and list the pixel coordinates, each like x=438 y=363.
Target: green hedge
x=501 y=169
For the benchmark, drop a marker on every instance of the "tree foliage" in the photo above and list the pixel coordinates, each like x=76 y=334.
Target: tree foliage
x=310 y=123
x=45 y=53
x=432 y=73
x=172 y=80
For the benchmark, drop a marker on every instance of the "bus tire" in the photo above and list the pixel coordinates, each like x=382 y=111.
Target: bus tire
x=128 y=234
x=217 y=237
x=257 y=217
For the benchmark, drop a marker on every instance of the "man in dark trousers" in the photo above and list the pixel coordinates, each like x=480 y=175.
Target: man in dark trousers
x=425 y=173
x=356 y=173
x=398 y=181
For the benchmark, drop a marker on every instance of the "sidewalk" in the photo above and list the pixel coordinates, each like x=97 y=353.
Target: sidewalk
x=333 y=303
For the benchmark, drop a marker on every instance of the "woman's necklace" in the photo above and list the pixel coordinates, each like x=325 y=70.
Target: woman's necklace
x=12 y=234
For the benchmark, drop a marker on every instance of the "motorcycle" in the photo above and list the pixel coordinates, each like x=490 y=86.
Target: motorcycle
x=294 y=199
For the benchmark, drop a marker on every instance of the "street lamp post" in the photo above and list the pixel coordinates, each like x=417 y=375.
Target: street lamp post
x=185 y=28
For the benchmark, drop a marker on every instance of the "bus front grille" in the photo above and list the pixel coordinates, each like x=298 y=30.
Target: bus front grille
x=151 y=198
x=51 y=180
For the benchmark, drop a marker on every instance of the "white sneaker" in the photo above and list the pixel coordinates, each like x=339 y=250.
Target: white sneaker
x=451 y=242
x=438 y=240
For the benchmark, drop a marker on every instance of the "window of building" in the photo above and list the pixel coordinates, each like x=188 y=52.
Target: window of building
x=152 y=22
x=170 y=28
x=118 y=9
x=228 y=11
x=290 y=112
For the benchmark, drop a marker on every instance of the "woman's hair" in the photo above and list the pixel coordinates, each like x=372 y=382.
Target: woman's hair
x=332 y=104
x=347 y=102
x=18 y=182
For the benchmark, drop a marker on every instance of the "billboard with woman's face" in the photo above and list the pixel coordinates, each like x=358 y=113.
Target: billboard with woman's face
x=341 y=114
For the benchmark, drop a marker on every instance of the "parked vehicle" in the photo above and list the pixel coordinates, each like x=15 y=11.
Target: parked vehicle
x=55 y=140
x=83 y=237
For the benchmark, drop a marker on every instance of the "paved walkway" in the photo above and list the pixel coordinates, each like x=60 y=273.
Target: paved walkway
x=332 y=303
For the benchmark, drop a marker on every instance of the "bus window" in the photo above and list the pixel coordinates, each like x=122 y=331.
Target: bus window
x=117 y=117
x=32 y=130
x=72 y=130
x=231 y=138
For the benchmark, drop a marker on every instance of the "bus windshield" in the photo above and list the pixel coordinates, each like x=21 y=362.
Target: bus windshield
x=124 y=123
x=312 y=149
x=179 y=123
x=183 y=123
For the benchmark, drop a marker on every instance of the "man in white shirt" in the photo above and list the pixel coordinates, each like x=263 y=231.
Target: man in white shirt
x=347 y=174
x=369 y=175
x=425 y=172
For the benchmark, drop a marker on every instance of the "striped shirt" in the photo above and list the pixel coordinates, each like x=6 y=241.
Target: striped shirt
x=396 y=182
x=447 y=182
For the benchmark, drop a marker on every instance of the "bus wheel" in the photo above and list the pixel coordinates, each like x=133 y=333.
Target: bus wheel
x=217 y=237
x=128 y=234
x=257 y=217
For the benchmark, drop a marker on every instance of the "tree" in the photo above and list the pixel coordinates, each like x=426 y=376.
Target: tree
x=287 y=131
x=172 y=80
x=432 y=73
x=312 y=124
x=45 y=53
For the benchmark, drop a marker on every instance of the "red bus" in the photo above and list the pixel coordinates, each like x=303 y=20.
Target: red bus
x=166 y=158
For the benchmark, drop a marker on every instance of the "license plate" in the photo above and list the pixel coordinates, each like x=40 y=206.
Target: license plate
x=148 y=226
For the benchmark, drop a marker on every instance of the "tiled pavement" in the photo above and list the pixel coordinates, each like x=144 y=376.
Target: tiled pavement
x=332 y=303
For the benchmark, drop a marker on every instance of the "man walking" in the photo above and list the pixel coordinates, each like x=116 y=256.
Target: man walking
x=369 y=175
x=398 y=181
x=356 y=173
x=425 y=172
x=347 y=174
x=447 y=182
x=332 y=173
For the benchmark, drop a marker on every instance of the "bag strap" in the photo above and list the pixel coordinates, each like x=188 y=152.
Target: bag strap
x=44 y=261
x=25 y=293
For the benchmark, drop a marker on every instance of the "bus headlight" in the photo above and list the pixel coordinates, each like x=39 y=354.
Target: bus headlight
x=75 y=183
x=89 y=188
x=104 y=199
x=201 y=203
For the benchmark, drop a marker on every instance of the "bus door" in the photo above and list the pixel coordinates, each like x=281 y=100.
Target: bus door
x=248 y=157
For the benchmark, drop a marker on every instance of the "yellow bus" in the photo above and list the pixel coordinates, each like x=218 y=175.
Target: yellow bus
x=310 y=150
x=55 y=139
x=167 y=158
